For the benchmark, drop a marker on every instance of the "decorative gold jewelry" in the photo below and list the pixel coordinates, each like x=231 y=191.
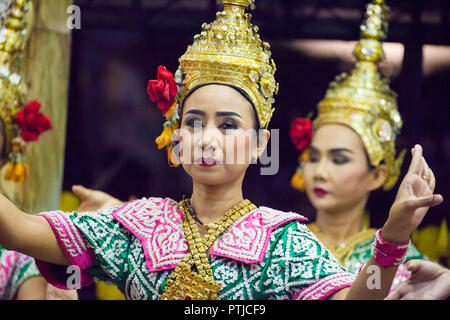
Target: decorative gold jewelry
x=13 y=90
x=230 y=51
x=363 y=100
x=425 y=178
x=200 y=284
x=343 y=251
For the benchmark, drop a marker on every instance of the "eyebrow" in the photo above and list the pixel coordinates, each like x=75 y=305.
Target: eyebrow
x=201 y=113
x=334 y=150
x=340 y=150
x=227 y=114
x=218 y=114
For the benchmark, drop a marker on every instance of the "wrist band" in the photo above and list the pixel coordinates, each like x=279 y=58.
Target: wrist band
x=389 y=254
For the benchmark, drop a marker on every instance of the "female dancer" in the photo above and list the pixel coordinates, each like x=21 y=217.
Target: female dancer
x=347 y=239
x=352 y=152
x=215 y=244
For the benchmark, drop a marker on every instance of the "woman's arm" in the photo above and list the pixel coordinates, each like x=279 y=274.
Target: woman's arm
x=32 y=289
x=28 y=234
x=414 y=197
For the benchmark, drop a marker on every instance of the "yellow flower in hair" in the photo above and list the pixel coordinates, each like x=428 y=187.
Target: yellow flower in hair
x=169 y=158
x=305 y=156
x=17 y=172
x=298 y=181
x=175 y=125
x=164 y=139
x=169 y=112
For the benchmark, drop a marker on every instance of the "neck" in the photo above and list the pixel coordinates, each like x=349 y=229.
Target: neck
x=339 y=225
x=211 y=202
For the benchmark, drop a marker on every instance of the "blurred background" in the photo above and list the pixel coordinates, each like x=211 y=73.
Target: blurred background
x=112 y=125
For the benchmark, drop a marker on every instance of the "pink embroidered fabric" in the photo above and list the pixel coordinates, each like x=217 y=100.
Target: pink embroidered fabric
x=6 y=267
x=74 y=247
x=247 y=239
x=325 y=287
x=158 y=224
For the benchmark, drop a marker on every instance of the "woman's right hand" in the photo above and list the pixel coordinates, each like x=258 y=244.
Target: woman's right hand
x=415 y=196
x=94 y=200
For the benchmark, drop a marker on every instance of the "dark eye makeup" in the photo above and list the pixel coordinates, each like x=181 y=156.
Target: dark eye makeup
x=194 y=122
x=228 y=124
x=336 y=156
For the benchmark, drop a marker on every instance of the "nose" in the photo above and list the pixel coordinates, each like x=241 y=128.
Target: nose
x=321 y=171
x=209 y=139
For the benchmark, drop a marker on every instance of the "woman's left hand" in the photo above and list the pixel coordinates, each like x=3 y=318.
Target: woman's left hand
x=414 y=197
x=60 y=294
x=427 y=281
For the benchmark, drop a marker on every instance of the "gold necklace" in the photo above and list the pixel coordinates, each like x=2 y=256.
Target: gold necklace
x=344 y=251
x=184 y=283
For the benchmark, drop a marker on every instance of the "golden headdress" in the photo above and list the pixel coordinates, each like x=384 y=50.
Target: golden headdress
x=14 y=113
x=230 y=51
x=363 y=99
x=227 y=51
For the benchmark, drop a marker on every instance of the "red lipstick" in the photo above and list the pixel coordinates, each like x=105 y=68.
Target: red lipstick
x=208 y=162
x=319 y=192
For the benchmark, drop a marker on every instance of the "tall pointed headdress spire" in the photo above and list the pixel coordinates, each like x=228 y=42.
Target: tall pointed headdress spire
x=229 y=51
x=363 y=99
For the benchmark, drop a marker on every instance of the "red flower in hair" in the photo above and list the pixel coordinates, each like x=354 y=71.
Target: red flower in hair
x=32 y=122
x=163 y=90
x=301 y=132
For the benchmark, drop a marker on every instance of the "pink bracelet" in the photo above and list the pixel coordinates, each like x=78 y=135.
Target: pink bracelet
x=389 y=254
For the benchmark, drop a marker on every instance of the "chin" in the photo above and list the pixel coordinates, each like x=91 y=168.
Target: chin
x=322 y=204
x=208 y=176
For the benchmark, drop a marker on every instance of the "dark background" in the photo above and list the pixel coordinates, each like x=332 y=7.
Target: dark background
x=112 y=125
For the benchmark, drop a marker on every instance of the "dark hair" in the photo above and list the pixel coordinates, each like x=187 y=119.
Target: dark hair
x=242 y=92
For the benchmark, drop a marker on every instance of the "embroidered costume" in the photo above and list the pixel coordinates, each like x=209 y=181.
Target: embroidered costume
x=15 y=269
x=265 y=254
x=363 y=101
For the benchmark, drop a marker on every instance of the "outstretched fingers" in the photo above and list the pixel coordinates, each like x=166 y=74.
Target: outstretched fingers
x=80 y=191
x=416 y=165
x=426 y=201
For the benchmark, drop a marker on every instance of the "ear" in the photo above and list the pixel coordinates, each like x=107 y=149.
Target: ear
x=378 y=177
x=263 y=139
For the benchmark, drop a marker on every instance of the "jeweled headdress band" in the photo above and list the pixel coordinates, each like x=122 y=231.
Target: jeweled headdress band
x=363 y=99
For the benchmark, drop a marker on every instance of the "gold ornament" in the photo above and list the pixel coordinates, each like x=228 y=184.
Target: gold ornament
x=343 y=251
x=230 y=51
x=13 y=91
x=363 y=99
x=200 y=285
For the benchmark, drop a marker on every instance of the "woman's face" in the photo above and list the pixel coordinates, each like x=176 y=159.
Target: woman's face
x=338 y=175
x=217 y=135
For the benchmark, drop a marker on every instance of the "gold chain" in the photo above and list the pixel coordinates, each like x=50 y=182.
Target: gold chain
x=200 y=285
x=343 y=251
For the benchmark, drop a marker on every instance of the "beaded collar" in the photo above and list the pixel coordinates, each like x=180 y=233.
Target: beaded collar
x=344 y=251
x=200 y=285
